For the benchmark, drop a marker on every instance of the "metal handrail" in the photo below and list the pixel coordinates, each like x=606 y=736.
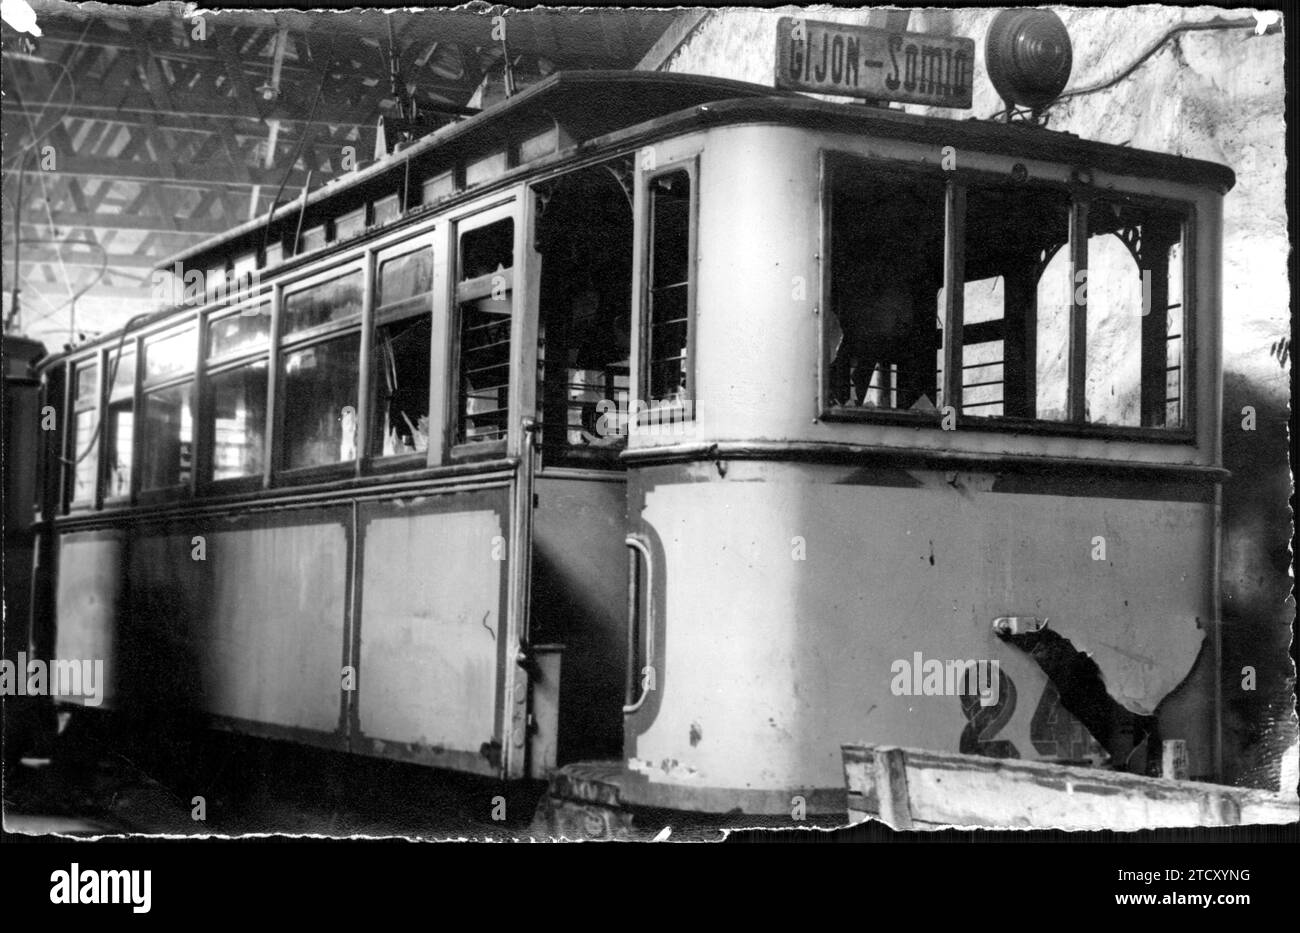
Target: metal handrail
x=638 y=544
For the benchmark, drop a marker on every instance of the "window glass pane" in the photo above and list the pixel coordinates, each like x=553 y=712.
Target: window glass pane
x=350 y=224
x=886 y=275
x=168 y=442
x=118 y=436
x=334 y=300
x=320 y=399
x=238 y=426
x=1131 y=359
x=405 y=277
x=170 y=355
x=438 y=187
x=1015 y=302
x=402 y=360
x=243 y=331
x=87 y=384
x=124 y=375
x=312 y=239
x=387 y=209
x=486 y=168
x=83 y=449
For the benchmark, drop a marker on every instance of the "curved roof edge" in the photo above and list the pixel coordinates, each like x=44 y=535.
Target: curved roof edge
x=696 y=99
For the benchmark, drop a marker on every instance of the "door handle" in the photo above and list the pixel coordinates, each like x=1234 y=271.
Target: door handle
x=638 y=546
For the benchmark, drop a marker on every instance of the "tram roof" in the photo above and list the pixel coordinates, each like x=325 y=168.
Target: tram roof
x=590 y=105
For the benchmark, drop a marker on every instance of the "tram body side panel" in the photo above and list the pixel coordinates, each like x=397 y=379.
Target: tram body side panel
x=89 y=604
x=260 y=635
x=431 y=643
x=789 y=598
x=238 y=621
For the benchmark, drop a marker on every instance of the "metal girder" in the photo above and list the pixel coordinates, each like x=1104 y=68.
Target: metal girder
x=167 y=135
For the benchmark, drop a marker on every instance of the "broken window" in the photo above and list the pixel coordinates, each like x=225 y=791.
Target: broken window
x=237 y=426
x=1015 y=308
x=402 y=354
x=584 y=236
x=1135 y=317
x=484 y=300
x=886 y=268
x=82 y=446
x=1039 y=339
x=668 y=299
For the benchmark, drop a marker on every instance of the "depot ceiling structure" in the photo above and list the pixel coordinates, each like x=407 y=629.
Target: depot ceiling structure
x=132 y=133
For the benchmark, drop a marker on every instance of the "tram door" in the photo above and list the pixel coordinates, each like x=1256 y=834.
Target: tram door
x=582 y=239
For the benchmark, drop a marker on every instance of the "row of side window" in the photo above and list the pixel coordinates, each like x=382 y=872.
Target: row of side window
x=165 y=428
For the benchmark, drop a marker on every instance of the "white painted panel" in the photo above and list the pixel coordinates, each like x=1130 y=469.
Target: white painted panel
x=431 y=618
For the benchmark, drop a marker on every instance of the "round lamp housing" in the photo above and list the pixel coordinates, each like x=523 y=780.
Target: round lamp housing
x=1028 y=56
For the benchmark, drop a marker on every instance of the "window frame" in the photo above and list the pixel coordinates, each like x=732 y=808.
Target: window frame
x=277 y=474
x=69 y=446
x=643 y=275
x=430 y=240
x=220 y=365
x=146 y=386
x=237 y=309
x=577 y=460
x=133 y=344
x=957 y=182
x=476 y=218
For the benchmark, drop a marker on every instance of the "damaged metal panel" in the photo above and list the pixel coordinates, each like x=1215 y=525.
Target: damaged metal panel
x=833 y=588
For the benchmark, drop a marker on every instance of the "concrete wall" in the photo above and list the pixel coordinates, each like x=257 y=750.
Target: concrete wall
x=1214 y=95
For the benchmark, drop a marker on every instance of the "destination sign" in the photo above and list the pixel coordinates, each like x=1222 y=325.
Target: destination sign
x=859 y=61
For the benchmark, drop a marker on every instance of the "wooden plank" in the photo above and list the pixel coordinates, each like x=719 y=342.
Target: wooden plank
x=950 y=789
x=891 y=773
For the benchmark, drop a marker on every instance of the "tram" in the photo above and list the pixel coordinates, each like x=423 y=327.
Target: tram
x=663 y=433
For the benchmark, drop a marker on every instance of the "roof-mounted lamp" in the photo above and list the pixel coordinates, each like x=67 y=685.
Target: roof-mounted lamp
x=1028 y=56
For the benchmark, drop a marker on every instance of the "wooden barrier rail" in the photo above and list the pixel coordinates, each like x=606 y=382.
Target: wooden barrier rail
x=910 y=788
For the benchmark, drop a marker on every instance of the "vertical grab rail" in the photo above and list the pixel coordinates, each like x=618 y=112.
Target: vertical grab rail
x=637 y=544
